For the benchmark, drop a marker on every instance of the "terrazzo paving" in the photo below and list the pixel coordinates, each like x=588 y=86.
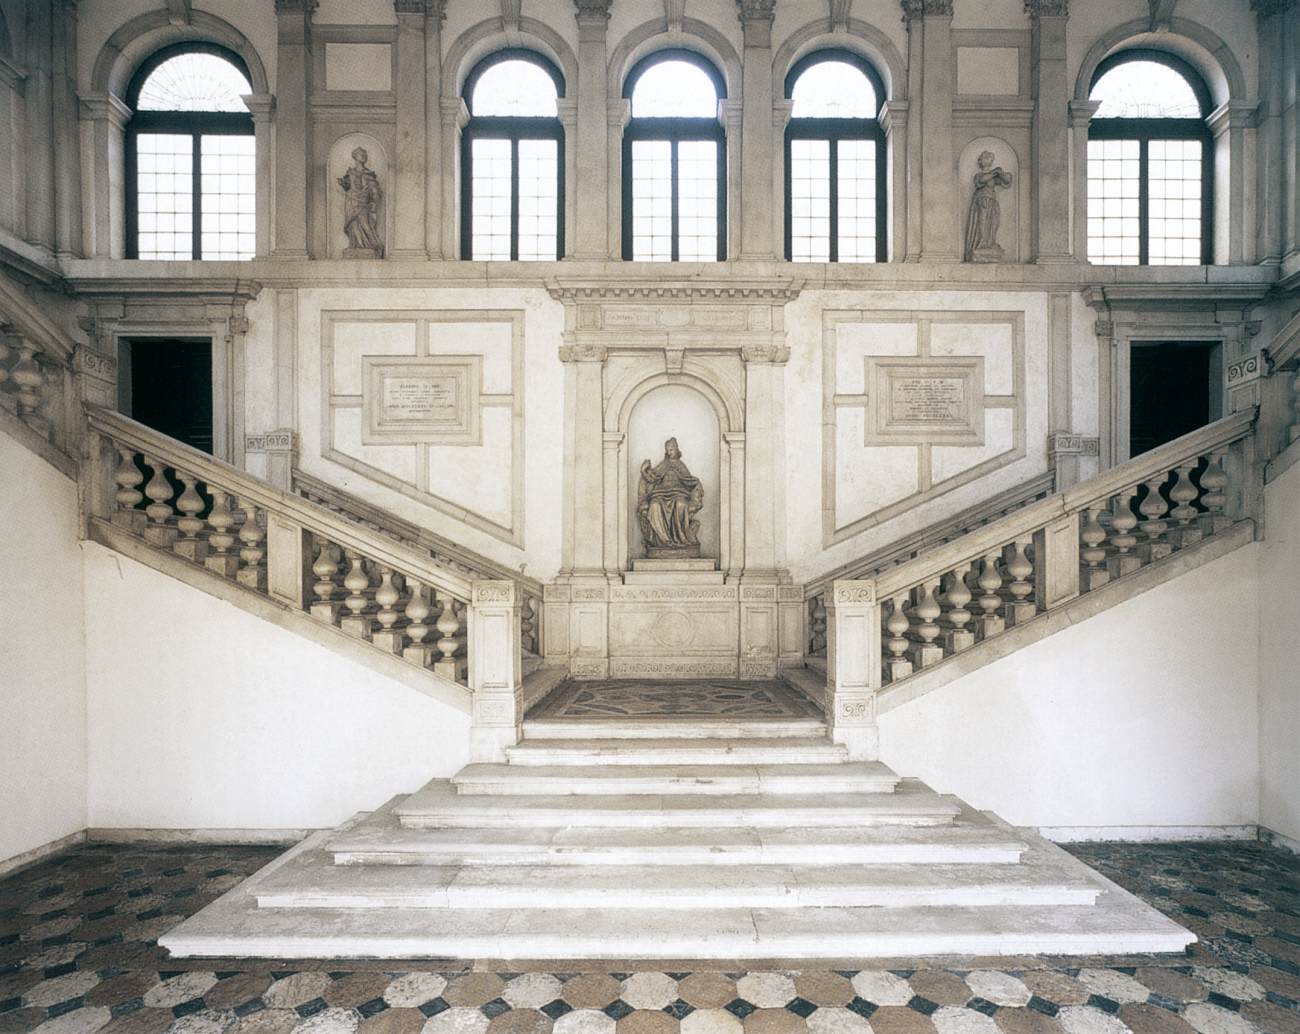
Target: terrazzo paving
x=694 y=698
x=78 y=954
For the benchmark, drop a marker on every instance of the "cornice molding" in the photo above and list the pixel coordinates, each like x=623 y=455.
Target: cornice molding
x=913 y=9
x=659 y=291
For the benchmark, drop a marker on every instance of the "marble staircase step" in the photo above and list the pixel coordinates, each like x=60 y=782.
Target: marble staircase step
x=672 y=728
x=438 y=805
x=781 y=779
x=312 y=885
x=678 y=751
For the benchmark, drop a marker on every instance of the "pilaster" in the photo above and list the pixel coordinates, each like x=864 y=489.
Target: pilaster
x=588 y=495
x=764 y=459
x=617 y=112
x=1229 y=123
x=262 y=108
x=495 y=669
x=1051 y=138
x=39 y=112
x=292 y=127
x=67 y=137
x=591 y=230
x=758 y=151
x=853 y=667
x=104 y=221
x=1081 y=113
x=410 y=88
x=454 y=116
x=929 y=29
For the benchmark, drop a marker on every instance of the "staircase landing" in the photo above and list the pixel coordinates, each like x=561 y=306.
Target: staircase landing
x=648 y=835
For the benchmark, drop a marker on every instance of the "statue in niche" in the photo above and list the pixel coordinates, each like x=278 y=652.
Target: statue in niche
x=361 y=196
x=667 y=500
x=985 y=211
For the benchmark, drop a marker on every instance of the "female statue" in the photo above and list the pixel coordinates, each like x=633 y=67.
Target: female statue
x=985 y=212
x=361 y=196
x=668 y=498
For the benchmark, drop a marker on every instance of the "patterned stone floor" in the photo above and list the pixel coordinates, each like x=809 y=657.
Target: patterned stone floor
x=78 y=955
x=696 y=698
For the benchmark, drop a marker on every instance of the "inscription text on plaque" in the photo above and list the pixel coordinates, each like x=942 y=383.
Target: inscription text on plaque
x=925 y=400
x=411 y=400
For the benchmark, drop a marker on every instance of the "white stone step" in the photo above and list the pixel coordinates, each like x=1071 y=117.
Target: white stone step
x=676 y=887
x=438 y=805
x=671 y=728
x=678 y=751
x=553 y=780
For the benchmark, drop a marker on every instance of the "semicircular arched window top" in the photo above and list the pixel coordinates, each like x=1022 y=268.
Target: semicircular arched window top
x=1150 y=173
x=194 y=81
x=512 y=160
x=514 y=88
x=674 y=88
x=834 y=160
x=191 y=157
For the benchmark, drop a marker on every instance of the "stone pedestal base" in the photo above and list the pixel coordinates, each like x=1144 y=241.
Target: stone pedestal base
x=327 y=612
x=1093 y=578
x=897 y=669
x=421 y=654
x=160 y=535
x=1123 y=564
x=925 y=654
x=252 y=578
x=861 y=741
x=989 y=625
x=363 y=253
x=224 y=564
x=993 y=253
x=958 y=639
x=1019 y=613
x=357 y=625
x=194 y=550
x=1155 y=550
x=389 y=639
x=133 y=521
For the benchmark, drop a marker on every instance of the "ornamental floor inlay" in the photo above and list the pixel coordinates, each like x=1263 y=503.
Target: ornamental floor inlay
x=79 y=955
x=694 y=698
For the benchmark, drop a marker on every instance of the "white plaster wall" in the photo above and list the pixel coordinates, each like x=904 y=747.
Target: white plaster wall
x=1279 y=657
x=42 y=659
x=1145 y=715
x=202 y=715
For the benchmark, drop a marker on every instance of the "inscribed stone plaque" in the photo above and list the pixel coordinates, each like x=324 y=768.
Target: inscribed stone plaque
x=925 y=401
x=411 y=400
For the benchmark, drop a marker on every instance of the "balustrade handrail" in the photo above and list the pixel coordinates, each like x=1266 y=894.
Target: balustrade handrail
x=420 y=538
x=312 y=516
x=961 y=523
x=1035 y=516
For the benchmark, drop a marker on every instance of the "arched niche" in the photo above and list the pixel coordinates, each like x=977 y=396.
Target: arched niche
x=677 y=411
x=340 y=160
x=1013 y=201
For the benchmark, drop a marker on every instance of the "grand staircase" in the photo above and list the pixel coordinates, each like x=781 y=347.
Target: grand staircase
x=697 y=838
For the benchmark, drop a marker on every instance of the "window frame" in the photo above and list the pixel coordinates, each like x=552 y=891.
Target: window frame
x=195 y=124
x=1144 y=130
x=834 y=130
x=513 y=128
x=675 y=131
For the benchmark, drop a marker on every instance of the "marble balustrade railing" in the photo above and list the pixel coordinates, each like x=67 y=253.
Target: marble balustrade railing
x=35 y=376
x=446 y=553
x=303 y=556
x=913 y=615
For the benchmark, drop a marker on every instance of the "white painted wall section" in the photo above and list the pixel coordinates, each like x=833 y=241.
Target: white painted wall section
x=42 y=658
x=204 y=716
x=1145 y=715
x=1279 y=657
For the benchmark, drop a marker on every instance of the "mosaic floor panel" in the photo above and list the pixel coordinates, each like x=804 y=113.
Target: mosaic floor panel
x=713 y=698
x=78 y=955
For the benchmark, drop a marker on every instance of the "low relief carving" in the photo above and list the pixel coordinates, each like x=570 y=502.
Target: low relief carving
x=361 y=197
x=986 y=212
x=668 y=499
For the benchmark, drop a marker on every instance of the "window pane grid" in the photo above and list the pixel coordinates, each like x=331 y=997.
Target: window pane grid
x=652 y=200
x=490 y=217
x=810 y=200
x=1114 y=202
x=697 y=201
x=538 y=200
x=165 y=196
x=228 y=201
x=1174 y=173
x=855 y=227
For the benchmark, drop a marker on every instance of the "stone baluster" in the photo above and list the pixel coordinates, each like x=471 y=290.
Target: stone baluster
x=159 y=511
x=356 y=622
x=957 y=636
x=325 y=568
x=417 y=609
x=817 y=627
x=1183 y=494
x=448 y=665
x=1093 y=553
x=1122 y=523
x=387 y=636
x=128 y=496
x=1153 y=509
x=252 y=569
x=527 y=626
x=220 y=540
x=1214 y=480
x=28 y=379
x=1020 y=602
x=897 y=666
x=989 y=622
x=925 y=651
x=190 y=505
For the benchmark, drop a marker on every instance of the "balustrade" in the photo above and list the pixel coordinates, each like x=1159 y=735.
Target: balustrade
x=31 y=378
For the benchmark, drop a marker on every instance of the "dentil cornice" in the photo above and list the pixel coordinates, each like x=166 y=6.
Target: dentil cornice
x=655 y=290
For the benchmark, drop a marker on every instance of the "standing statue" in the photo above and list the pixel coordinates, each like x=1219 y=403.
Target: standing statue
x=667 y=500
x=985 y=212
x=361 y=195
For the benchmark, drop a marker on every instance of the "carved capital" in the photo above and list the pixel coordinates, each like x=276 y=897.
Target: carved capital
x=592 y=12
x=586 y=352
x=494 y=592
x=756 y=11
x=280 y=441
x=1104 y=328
x=851 y=592
x=94 y=363
x=765 y=353
x=430 y=8
x=1047 y=8
x=913 y=9
x=296 y=6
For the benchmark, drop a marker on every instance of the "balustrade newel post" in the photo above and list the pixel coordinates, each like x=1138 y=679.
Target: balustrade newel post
x=1056 y=561
x=495 y=669
x=853 y=666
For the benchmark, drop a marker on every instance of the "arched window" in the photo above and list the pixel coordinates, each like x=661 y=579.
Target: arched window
x=834 y=161
x=1150 y=187
x=674 y=161
x=190 y=157
x=512 y=160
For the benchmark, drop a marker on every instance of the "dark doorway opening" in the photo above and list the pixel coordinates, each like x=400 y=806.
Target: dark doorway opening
x=166 y=384
x=1174 y=388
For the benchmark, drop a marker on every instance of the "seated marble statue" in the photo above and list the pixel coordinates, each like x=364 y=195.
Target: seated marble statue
x=668 y=498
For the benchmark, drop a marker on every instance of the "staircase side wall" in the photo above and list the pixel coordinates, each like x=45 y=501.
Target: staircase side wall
x=1142 y=721
x=42 y=656
x=203 y=716
x=1279 y=615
